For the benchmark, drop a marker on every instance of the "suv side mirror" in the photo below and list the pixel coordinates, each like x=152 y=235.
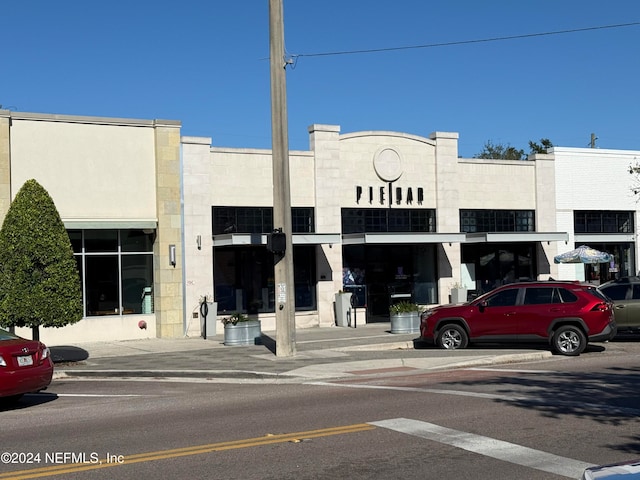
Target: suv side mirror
x=482 y=305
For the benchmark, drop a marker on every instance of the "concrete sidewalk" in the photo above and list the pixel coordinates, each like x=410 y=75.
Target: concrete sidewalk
x=321 y=353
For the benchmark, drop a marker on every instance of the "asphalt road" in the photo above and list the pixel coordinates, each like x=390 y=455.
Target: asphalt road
x=540 y=420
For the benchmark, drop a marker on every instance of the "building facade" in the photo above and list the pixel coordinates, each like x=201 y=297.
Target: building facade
x=597 y=205
x=116 y=184
x=384 y=215
x=159 y=222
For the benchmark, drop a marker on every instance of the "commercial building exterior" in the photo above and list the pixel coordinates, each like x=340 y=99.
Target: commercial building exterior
x=116 y=184
x=160 y=222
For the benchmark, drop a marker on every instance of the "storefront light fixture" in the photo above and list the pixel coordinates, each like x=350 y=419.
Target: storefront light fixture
x=172 y=255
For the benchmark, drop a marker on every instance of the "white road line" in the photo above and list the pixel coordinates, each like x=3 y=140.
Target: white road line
x=490 y=447
x=92 y=395
x=416 y=389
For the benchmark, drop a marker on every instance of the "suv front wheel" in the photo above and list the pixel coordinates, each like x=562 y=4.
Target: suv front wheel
x=569 y=340
x=452 y=337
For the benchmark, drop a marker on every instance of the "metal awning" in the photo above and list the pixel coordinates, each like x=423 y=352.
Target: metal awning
x=111 y=224
x=401 y=237
x=513 y=237
x=587 y=238
x=244 y=239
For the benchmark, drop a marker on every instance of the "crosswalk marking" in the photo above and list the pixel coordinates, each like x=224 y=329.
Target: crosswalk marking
x=490 y=447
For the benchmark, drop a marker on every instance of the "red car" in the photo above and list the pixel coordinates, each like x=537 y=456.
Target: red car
x=567 y=315
x=25 y=366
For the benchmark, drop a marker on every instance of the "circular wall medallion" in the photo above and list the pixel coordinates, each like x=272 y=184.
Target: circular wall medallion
x=387 y=164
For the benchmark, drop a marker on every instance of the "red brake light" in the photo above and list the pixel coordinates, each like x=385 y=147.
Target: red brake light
x=601 y=307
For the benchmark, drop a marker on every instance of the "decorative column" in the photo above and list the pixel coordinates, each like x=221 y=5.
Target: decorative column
x=167 y=249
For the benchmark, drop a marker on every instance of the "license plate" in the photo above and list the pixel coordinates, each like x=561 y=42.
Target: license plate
x=25 y=361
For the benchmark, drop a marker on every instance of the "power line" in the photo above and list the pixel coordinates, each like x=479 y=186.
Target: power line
x=466 y=42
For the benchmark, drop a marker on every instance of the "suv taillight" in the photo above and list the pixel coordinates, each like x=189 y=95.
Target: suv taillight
x=601 y=307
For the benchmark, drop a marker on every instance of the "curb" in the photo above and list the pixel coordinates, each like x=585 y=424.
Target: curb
x=283 y=377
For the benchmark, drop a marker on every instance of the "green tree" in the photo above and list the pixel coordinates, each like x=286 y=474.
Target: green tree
x=507 y=152
x=499 y=151
x=39 y=280
x=542 y=147
x=634 y=171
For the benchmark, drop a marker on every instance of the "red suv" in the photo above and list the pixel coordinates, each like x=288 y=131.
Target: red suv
x=568 y=315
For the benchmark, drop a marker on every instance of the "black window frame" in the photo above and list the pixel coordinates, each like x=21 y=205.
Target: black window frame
x=386 y=220
x=233 y=219
x=603 y=221
x=486 y=220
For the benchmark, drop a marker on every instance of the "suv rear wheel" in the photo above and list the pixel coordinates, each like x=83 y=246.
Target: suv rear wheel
x=452 y=337
x=569 y=340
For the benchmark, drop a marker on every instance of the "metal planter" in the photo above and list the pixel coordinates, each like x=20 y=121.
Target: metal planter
x=243 y=333
x=405 y=322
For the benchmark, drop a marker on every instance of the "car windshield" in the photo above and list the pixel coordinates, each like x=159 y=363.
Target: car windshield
x=4 y=335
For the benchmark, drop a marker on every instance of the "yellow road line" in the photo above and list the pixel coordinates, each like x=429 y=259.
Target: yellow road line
x=185 y=451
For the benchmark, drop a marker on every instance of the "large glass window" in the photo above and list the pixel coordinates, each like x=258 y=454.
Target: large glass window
x=589 y=221
x=370 y=220
x=378 y=273
x=244 y=279
x=472 y=221
x=116 y=269
x=496 y=264
x=258 y=220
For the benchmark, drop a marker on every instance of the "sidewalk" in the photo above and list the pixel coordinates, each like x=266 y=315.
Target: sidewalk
x=321 y=353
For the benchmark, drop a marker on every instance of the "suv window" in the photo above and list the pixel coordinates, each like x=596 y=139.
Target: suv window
x=567 y=296
x=539 y=295
x=636 y=291
x=504 y=298
x=616 y=291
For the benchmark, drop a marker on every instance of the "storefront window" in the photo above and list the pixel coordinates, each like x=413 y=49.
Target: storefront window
x=472 y=221
x=377 y=274
x=258 y=220
x=116 y=270
x=244 y=279
x=496 y=264
x=361 y=220
x=588 y=221
x=621 y=265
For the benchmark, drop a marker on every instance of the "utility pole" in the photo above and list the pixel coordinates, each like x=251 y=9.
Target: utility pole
x=283 y=261
x=593 y=140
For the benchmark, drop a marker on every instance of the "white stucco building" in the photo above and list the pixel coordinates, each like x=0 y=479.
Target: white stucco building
x=381 y=214
x=116 y=184
x=159 y=221
x=597 y=206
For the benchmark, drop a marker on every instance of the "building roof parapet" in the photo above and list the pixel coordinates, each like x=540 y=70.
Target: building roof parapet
x=595 y=152
x=386 y=133
x=496 y=161
x=50 y=117
x=449 y=135
x=195 y=140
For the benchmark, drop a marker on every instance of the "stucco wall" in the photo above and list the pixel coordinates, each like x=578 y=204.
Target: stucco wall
x=497 y=184
x=124 y=173
x=92 y=169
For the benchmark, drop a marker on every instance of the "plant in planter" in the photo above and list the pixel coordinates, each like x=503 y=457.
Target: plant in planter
x=404 y=317
x=239 y=329
x=234 y=319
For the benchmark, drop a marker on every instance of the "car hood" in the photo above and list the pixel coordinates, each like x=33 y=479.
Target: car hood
x=451 y=308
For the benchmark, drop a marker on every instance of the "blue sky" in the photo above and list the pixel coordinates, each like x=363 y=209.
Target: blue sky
x=205 y=63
